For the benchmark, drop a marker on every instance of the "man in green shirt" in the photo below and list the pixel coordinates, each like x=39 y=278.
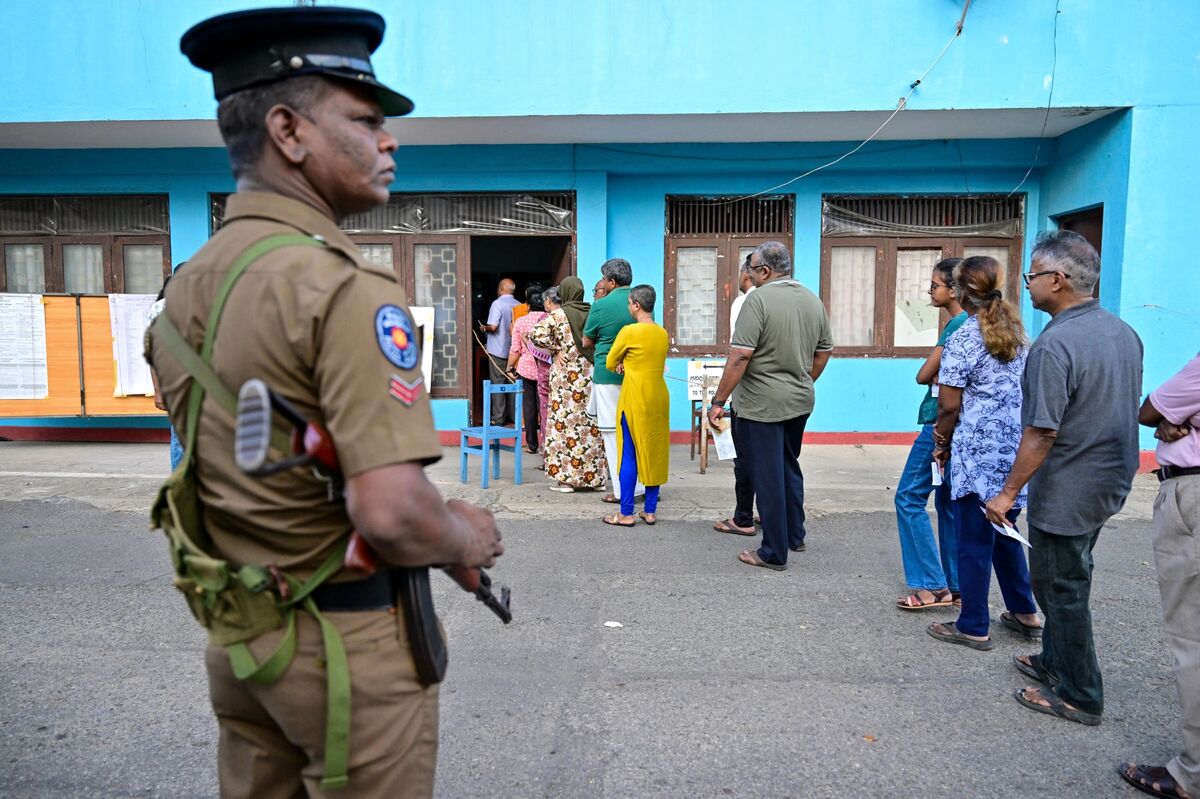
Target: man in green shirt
x=608 y=315
x=778 y=349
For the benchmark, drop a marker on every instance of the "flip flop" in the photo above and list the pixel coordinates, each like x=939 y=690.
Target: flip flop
x=1010 y=620
x=614 y=521
x=610 y=499
x=1057 y=707
x=751 y=558
x=1034 y=669
x=727 y=526
x=950 y=634
x=799 y=547
x=642 y=515
x=1145 y=778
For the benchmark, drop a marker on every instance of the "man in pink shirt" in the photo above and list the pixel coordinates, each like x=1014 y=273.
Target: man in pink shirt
x=1174 y=410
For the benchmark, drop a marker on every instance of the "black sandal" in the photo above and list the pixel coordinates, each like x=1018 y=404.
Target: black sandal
x=1034 y=669
x=1057 y=707
x=1145 y=778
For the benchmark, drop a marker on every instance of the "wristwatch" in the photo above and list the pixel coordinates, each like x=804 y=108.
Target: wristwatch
x=714 y=403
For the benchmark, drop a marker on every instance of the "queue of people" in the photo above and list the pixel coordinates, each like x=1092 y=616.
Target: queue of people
x=1007 y=426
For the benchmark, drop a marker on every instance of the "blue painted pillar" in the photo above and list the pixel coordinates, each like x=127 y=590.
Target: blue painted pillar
x=591 y=204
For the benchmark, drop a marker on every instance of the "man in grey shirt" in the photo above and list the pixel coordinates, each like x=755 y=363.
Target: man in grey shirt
x=1079 y=453
x=499 y=339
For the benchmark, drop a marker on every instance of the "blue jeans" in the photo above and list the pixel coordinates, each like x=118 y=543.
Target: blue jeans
x=629 y=475
x=176 y=450
x=923 y=566
x=980 y=549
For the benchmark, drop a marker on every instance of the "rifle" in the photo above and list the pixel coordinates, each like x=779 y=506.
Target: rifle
x=312 y=445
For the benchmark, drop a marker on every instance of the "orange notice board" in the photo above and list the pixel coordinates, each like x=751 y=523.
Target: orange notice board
x=62 y=366
x=99 y=367
x=75 y=327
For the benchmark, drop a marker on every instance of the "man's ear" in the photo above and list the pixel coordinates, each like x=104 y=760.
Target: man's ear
x=284 y=133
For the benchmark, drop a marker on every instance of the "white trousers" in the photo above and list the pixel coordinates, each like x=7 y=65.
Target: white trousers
x=604 y=404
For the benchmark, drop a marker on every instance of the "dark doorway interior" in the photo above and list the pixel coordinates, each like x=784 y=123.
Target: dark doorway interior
x=1090 y=225
x=525 y=259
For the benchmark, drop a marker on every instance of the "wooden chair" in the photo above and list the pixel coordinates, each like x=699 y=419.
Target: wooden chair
x=490 y=436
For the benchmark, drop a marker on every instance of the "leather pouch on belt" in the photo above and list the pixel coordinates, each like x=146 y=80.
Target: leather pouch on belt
x=425 y=639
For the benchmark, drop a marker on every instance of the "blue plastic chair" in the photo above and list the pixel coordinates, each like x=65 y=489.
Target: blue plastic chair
x=490 y=436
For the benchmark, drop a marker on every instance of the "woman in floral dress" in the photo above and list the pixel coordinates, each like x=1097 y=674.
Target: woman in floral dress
x=573 y=448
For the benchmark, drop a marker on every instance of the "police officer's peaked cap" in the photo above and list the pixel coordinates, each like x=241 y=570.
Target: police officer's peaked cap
x=252 y=48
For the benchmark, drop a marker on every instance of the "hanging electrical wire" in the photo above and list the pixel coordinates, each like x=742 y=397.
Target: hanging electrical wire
x=1049 y=100
x=900 y=106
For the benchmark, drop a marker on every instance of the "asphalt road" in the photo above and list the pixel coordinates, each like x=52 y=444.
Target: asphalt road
x=724 y=680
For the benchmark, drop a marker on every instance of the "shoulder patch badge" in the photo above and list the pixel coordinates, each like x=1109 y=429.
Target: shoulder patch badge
x=405 y=391
x=394 y=332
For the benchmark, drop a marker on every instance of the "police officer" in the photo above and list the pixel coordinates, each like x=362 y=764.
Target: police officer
x=302 y=115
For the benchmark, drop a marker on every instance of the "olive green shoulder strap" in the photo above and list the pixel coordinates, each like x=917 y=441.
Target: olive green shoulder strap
x=204 y=380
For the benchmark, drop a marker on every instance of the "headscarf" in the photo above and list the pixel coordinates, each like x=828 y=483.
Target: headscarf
x=570 y=291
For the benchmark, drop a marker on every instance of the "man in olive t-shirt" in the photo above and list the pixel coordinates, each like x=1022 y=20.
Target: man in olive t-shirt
x=778 y=349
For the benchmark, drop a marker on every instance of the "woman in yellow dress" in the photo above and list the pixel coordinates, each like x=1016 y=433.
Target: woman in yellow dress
x=643 y=409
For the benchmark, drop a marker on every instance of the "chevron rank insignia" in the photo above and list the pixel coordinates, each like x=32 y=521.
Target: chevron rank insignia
x=404 y=391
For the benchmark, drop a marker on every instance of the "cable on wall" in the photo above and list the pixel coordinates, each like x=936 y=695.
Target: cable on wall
x=900 y=106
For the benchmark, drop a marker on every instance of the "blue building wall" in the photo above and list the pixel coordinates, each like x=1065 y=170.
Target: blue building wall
x=621 y=200
x=479 y=58
x=542 y=57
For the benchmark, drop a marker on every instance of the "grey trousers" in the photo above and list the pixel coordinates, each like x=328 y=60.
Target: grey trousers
x=1060 y=568
x=1177 y=558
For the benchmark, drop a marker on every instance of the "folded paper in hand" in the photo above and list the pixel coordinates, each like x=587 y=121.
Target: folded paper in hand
x=723 y=438
x=1008 y=530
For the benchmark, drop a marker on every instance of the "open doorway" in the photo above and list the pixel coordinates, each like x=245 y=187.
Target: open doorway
x=528 y=259
x=1090 y=225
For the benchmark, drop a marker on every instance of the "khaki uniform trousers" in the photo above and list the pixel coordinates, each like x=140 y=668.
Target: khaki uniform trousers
x=272 y=737
x=1177 y=558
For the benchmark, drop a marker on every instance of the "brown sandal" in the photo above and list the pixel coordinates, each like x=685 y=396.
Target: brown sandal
x=727 y=526
x=913 y=601
x=751 y=558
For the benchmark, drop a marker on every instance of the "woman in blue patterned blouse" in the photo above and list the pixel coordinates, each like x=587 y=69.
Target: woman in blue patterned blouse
x=978 y=430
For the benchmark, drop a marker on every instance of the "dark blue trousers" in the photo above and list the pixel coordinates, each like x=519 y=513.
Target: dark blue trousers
x=743 y=486
x=980 y=549
x=771 y=451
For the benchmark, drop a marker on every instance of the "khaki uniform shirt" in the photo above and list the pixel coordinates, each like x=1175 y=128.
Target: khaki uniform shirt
x=325 y=329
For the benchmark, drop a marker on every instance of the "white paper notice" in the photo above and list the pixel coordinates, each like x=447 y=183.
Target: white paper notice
x=696 y=370
x=1008 y=530
x=424 y=319
x=23 y=372
x=127 y=314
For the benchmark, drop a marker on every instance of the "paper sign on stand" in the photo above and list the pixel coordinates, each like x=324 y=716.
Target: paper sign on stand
x=696 y=370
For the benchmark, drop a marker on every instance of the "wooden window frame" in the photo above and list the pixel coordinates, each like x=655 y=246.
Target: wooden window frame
x=885 y=283
x=112 y=247
x=728 y=265
x=51 y=279
x=118 y=257
x=404 y=265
